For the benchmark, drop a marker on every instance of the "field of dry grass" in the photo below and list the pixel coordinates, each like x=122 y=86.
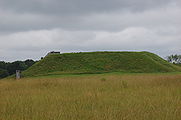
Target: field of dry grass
x=92 y=97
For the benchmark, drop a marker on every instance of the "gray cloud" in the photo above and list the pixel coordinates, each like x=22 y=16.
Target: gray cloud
x=79 y=6
x=134 y=38
x=116 y=20
x=31 y=28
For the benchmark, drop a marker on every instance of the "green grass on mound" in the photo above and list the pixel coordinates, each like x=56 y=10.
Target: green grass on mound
x=178 y=65
x=99 y=62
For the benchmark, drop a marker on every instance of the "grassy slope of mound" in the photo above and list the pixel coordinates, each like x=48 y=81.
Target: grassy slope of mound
x=95 y=62
x=178 y=65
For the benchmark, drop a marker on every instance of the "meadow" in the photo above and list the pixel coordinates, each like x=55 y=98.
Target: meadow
x=92 y=97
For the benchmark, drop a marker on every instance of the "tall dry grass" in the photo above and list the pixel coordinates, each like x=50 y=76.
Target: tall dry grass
x=96 y=97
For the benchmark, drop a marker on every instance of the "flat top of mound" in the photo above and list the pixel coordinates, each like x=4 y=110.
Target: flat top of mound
x=97 y=62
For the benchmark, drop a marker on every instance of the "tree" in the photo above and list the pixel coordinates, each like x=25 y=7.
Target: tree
x=7 y=68
x=3 y=65
x=176 y=59
x=17 y=65
x=3 y=73
x=29 y=62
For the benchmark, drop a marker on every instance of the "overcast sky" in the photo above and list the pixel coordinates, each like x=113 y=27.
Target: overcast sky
x=31 y=28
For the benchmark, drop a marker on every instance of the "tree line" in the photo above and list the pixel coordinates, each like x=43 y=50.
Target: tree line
x=175 y=59
x=9 y=68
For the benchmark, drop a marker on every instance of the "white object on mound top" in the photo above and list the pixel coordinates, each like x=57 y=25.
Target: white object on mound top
x=53 y=52
x=18 y=74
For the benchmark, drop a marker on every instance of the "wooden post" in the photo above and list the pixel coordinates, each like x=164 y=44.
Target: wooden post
x=18 y=74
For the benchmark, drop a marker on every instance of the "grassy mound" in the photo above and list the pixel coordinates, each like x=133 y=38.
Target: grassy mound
x=98 y=62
